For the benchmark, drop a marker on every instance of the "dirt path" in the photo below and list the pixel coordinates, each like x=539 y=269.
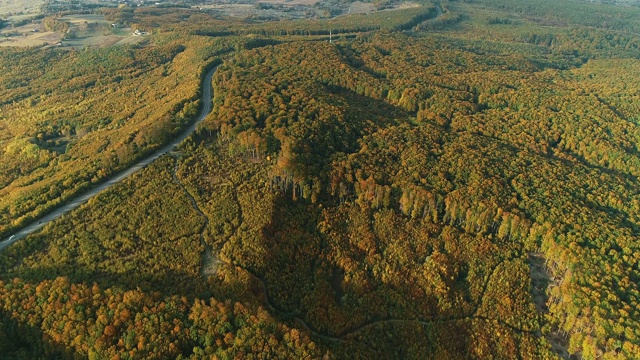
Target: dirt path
x=208 y=260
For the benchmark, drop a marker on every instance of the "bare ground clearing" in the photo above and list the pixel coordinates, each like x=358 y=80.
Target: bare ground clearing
x=540 y=281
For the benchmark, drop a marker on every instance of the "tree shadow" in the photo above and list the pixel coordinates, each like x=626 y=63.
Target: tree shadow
x=167 y=282
x=318 y=283
x=26 y=342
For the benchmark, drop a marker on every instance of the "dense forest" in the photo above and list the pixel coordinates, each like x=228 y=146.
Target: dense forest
x=451 y=186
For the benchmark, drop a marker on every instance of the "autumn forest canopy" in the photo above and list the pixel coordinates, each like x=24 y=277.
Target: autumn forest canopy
x=420 y=180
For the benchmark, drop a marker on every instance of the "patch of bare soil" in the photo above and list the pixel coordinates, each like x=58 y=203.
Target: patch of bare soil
x=361 y=8
x=109 y=40
x=540 y=281
x=50 y=37
x=210 y=263
x=406 y=5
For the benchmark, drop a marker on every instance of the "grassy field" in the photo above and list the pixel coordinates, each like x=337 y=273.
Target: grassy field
x=14 y=7
x=294 y=9
x=79 y=19
x=290 y=2
x=28 y=35
x=39 y=39
x=103 y=41
x=359 y=7
x=86 y=30
x=255 y=12
x=94 y=31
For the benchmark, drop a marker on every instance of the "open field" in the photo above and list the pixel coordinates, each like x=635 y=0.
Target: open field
x=85 y=30
x=28 y=35
x=94 y=31
x=29 y=41
x=79 y=19
x=295 y=9
x=290 y=2
x=103 y=41
x=405 y=5
x=359 y=7
x=281 y=10
x=19 y=6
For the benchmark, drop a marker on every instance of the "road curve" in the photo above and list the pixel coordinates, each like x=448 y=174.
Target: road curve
x=81 y=199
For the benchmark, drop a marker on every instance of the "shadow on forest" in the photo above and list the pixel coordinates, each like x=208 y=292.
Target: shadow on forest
x=310 y=282
x=370 y=108
x=27 y=342
x=167 y=281
x=306 y=286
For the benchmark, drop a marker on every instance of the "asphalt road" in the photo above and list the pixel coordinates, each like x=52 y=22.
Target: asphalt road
x=81 y=199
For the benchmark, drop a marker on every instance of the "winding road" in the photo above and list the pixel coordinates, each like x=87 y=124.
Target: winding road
x=82 y=198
